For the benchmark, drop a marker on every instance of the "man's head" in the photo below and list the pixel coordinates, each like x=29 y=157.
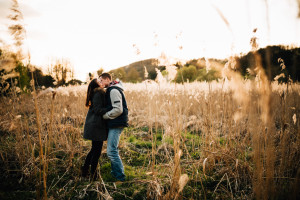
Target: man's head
x=105 y=79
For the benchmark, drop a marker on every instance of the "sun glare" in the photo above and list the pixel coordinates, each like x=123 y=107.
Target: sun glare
x=98 y=34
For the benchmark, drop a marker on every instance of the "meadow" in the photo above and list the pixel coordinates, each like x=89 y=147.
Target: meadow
x=232 y=139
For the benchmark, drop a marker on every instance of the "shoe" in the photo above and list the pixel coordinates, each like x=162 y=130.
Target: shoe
x=84 y=171
x=115 y=179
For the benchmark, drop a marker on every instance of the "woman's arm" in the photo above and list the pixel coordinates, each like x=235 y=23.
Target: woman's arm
x=98 y=104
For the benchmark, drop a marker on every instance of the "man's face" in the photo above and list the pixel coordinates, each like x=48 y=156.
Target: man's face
x=105 y=81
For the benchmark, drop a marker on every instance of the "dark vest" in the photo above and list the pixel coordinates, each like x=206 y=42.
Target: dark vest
x=122 y=120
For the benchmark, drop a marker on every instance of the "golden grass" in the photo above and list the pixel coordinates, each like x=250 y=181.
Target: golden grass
x=237 y=145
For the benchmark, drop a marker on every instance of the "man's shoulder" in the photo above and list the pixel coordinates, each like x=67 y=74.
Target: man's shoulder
x=114 y=89
x=115 y=92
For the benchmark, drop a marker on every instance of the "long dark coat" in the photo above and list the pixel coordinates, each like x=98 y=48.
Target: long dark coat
x=95 y=126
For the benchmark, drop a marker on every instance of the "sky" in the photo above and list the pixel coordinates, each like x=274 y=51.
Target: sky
x=107 y=34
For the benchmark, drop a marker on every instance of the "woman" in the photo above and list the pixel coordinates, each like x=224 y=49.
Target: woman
x=95 y=127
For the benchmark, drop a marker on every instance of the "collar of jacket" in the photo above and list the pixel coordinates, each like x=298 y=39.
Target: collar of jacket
x=114 y=83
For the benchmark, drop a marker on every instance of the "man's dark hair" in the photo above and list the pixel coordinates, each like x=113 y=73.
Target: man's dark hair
x=106 y=75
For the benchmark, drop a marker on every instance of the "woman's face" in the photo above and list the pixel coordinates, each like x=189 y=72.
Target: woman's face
x=105 y=82
x=100 y=83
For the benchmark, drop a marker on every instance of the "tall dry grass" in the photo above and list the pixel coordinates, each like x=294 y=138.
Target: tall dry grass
x=241 y=152
x=253 y=120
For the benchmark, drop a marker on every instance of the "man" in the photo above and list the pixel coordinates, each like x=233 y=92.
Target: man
x=117 y=116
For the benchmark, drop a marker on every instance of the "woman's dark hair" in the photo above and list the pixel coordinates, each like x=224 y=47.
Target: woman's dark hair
x=90 y=92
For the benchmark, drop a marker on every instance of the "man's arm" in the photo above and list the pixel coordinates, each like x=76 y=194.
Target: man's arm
x=117 y=104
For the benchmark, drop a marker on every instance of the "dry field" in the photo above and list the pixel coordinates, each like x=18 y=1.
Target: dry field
x=232 y=139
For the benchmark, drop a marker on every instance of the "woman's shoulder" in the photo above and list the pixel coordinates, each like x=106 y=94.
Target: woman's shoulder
x=99 y=91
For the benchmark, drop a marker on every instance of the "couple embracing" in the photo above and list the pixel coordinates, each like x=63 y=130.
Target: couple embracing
x=105 y=120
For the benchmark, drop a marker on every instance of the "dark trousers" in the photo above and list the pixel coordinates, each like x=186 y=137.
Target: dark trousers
x=93 y=156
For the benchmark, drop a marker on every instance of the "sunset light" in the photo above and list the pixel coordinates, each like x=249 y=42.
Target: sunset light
x=94 y=34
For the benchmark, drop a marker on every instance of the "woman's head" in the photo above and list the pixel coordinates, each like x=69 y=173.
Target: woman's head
x=95 y=83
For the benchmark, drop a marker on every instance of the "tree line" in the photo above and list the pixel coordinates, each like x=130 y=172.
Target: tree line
x=208 y=69
x=13 y=72
x=275 y=60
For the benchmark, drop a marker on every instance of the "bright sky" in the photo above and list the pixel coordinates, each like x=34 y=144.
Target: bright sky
x=101 y=33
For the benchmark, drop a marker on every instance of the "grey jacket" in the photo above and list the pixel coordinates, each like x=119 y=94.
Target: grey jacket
x=116 y=101
x=95 y=126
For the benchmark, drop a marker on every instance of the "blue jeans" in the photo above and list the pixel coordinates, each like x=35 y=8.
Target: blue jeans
x=117 y=168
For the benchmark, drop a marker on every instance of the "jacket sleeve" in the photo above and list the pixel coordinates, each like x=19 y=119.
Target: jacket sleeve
x=116 y=102
x=98 y=104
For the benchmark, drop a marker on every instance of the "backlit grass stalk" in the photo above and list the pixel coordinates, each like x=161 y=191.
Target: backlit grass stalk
x=175 y=112
x=42 y=157
x=50 y=135
x=266 y=148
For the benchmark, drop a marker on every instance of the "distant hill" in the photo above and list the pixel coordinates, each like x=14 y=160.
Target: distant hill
x=135 y=72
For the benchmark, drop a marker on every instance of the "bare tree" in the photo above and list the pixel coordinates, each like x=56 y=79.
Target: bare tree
x=61 y=70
